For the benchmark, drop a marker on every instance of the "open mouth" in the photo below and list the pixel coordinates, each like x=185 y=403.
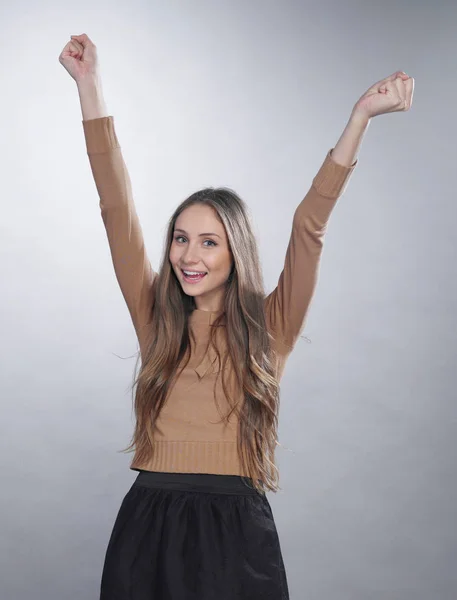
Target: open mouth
x=193 y=276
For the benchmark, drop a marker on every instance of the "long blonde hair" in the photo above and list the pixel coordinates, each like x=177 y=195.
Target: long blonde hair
x=248 y=343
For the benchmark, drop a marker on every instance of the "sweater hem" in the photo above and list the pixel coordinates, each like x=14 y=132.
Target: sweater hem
x=212 y=457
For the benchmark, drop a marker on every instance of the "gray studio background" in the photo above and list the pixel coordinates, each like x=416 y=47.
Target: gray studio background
x=251 y=95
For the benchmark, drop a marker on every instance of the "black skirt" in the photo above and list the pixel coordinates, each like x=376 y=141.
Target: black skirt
x=193 y=537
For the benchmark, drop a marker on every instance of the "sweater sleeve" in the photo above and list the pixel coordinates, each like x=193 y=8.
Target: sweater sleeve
x=287 y=305
x=131 y=265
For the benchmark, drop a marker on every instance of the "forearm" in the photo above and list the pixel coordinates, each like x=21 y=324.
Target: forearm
x=91 y=97
x=347 y=148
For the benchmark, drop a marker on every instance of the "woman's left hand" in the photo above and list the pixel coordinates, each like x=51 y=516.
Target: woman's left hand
x=393 y=94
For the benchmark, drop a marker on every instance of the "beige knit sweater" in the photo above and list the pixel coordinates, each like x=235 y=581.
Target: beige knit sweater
x=191 y=437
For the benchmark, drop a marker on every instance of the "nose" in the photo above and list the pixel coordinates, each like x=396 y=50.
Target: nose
x=190 y=255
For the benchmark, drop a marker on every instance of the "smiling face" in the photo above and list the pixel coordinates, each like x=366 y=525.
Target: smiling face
x=200 y=256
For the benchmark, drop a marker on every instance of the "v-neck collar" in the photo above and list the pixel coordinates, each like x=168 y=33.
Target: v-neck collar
x=204 y=317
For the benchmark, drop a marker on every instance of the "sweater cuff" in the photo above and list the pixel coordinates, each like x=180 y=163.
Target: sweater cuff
x=332 y=177
x=100 y=135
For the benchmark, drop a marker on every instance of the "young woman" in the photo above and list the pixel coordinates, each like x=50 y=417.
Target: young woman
x=196 y=523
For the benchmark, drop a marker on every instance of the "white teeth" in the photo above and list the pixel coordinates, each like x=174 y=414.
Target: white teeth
x=193 y=272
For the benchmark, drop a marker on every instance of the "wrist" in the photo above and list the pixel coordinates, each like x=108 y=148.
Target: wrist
x=89 y=84
x=359 y=120
x=91 y=97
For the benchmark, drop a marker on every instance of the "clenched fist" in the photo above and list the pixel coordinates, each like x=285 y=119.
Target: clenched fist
x=392 y=94
x=79 y=57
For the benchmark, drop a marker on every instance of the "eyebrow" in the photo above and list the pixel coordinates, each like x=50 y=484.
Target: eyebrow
x=200 y=234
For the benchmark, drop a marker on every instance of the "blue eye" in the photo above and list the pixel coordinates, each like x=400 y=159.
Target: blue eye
x=181 y=237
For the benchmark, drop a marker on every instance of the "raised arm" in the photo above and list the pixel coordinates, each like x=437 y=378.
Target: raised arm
x=287 y=306
x=131 y=264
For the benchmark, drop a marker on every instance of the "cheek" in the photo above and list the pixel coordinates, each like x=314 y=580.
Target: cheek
x=173 y=255
x=221 y=261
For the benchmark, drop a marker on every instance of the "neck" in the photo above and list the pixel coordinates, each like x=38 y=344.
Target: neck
x=214 y=304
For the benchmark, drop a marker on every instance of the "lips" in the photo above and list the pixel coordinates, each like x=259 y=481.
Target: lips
x=192 y=276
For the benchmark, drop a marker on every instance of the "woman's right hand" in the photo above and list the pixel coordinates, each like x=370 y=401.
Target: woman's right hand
x=79 y=58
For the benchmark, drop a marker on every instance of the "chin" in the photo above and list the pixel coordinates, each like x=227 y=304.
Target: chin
x=190 y=292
